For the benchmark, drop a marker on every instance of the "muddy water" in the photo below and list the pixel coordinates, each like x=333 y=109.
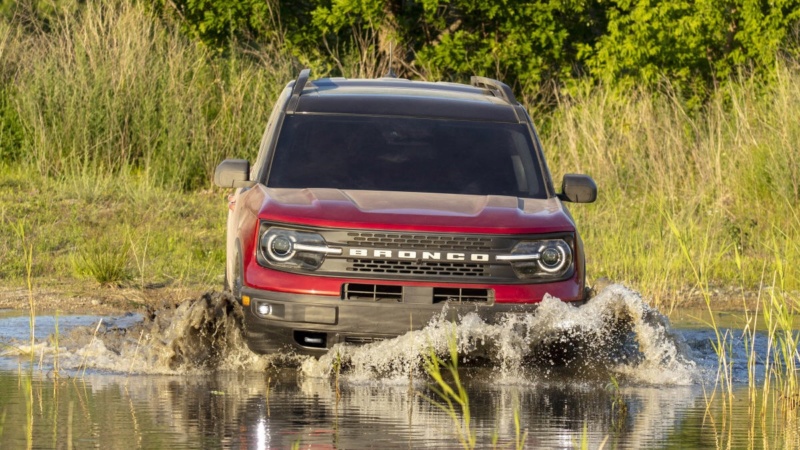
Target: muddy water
x=180 y=377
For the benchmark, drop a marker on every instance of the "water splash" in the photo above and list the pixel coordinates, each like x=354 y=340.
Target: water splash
x=191 y=337
x=615 y=333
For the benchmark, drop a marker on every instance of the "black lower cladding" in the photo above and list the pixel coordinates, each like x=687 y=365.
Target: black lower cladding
x=311 y=324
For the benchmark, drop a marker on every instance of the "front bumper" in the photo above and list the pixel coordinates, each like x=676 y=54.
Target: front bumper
x=311 y=324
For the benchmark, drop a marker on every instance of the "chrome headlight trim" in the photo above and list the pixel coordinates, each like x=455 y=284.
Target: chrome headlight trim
x=292 y=249
x=541 y=259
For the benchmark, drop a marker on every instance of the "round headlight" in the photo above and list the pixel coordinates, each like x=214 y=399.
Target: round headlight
x=541 y=259
x=280 y=247
x=554 y=256
x=551 y=257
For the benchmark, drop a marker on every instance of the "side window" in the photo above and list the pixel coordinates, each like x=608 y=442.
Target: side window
x=267 y=138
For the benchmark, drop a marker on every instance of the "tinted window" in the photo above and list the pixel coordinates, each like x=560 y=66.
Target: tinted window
x=405 y=154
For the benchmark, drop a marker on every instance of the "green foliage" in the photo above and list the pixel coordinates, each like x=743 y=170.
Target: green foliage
x=167 y=237
x=691 y=44
x=524 y=43
x=727 y=176
x=532 y=45
x=219 y=23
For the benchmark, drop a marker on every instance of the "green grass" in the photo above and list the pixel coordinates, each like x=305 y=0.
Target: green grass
x=98 y=231
x=104 y=260
x=727 y=177
x=109 y=89
x=111 y=124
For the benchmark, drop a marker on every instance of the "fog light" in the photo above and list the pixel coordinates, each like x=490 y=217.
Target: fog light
x=264 y=309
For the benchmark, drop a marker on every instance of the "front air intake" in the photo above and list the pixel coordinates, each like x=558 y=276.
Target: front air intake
x=462 y=295
x=372 y=292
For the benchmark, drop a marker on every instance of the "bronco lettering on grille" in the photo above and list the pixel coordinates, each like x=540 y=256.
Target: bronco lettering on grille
x=418 y=255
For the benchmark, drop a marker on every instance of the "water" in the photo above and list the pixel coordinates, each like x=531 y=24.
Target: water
x=182 y=378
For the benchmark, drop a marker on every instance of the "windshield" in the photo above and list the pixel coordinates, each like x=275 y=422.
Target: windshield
x=406 y=154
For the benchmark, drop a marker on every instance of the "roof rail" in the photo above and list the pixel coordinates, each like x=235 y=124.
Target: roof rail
x=299 y=84
x=498 y=88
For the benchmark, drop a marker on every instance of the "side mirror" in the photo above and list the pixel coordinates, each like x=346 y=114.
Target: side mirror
x=233 y=173
x=578 y=188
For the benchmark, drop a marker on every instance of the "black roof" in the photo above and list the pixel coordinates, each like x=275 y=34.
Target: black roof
x=484 y=99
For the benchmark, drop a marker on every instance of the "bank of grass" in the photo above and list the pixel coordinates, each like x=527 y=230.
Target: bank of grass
x=112 y=123
x=115 y=231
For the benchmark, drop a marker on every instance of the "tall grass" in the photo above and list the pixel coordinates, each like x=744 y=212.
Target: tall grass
x=727 y=176
x=109 y=87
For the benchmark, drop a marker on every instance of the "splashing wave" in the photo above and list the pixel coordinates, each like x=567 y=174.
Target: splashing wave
x=614 y=334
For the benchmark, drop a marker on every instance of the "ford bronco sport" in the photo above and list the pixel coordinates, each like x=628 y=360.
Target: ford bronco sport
x=374 y=203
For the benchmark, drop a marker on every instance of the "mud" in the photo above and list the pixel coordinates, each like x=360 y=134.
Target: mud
x=80 y=298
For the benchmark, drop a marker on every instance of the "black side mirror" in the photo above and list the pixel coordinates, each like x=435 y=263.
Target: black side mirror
x=233 y=173
x=578 y=188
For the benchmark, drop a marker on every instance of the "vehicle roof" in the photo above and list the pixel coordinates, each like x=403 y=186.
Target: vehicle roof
x=402 y=97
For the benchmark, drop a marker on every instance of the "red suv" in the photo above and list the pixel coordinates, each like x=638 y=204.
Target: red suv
x=374 y=203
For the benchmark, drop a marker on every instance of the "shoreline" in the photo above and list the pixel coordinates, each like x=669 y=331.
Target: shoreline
x=89 y=298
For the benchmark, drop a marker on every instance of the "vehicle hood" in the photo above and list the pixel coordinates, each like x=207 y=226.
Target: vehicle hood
x=412 y=211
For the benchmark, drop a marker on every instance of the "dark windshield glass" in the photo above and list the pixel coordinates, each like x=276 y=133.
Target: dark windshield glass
x=406 y=154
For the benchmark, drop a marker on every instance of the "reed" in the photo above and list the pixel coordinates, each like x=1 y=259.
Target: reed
x=701 y=259
x=82 y=367
x=784 y=342
x=451 y=396
x=619 y=408
x=56 y=349
x=519 y=436
x=337 y=370
x=20 y=231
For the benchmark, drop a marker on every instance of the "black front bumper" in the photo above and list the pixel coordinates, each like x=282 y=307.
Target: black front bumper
x=311 y=324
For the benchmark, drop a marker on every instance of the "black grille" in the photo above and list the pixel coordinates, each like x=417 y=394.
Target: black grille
x=373 y=292
x=461 y=295
x=378 y=292
x=428 y=268
x=418 y=241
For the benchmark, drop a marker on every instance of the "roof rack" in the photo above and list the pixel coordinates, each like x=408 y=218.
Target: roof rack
x=299 y=85
x=498 y=88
